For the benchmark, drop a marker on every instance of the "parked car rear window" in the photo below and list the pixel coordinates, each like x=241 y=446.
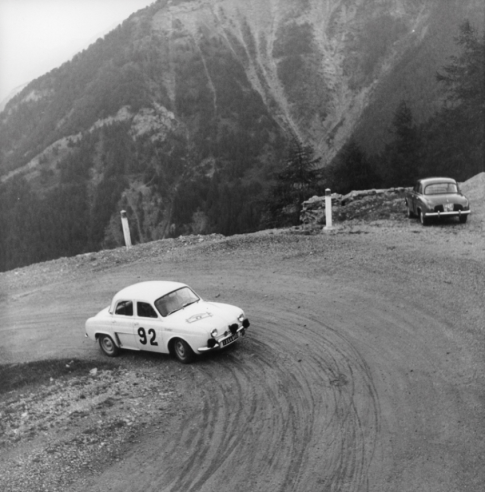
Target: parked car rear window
x=440 y=188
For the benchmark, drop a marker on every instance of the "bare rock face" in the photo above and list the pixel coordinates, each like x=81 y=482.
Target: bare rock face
x=315 y=63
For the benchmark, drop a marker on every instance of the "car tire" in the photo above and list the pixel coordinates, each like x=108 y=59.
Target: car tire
x=462 y=219
x=108 y=346
x=422 y=218
x=182 y=351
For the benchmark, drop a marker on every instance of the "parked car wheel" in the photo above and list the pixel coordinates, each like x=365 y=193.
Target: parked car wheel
x=108 y=346
x=182 y=351
x=463 y=218
x=422 y=218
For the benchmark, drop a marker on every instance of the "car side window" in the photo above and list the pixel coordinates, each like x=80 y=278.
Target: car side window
x=145 y=310
x=124 y=308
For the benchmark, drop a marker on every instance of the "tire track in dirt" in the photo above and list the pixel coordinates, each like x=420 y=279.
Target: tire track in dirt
x=347 y=381
x=270 y=420
x=334 y=372
x=292 y=407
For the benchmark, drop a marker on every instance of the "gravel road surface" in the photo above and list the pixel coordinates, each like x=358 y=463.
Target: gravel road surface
x=362 y=371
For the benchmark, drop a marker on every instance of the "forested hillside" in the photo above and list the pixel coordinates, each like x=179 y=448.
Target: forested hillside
x=450 y=142
x=187 y=116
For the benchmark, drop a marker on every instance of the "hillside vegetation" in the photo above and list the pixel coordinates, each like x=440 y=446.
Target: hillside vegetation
x=186 y=114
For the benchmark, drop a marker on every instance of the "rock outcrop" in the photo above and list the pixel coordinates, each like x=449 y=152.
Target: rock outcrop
x=352 y=205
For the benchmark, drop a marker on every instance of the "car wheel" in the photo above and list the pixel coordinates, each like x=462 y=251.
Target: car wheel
x=463 y=218
x=108 y=346
x=182 y=351
x=422 y=218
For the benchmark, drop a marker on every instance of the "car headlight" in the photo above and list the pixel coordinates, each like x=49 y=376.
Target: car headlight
x=214 y=333
x=241 y=317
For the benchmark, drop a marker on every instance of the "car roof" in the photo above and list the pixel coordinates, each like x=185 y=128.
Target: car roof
x=427 y=181
x=147 y=291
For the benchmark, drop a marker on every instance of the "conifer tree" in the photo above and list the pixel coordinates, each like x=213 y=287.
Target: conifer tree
x=353 y=170
x=403 y=153
x=295 y=183
x=463 y=118
x=464 y=77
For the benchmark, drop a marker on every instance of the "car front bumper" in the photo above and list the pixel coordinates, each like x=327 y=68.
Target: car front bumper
x=226 y=341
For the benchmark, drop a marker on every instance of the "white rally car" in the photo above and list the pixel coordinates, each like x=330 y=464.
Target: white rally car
x=166 y=317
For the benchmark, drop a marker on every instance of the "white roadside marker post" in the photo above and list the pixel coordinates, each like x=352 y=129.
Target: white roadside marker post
x=328 y=209
x=126 y=229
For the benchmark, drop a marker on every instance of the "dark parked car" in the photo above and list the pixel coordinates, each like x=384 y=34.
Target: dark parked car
x=437 y=197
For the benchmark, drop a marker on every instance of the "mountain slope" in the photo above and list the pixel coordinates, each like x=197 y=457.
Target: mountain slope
x=182 y=114
x=313 y=64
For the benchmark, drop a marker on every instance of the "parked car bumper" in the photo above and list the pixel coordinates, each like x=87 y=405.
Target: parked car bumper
x=443 y=214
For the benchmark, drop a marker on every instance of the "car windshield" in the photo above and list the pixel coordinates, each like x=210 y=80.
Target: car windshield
x=176 y=300
x=440 y=188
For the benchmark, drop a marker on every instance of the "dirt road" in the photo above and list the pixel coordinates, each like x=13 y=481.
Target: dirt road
x=363 y=369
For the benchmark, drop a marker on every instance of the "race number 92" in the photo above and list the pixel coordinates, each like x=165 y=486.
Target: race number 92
x=144 y=337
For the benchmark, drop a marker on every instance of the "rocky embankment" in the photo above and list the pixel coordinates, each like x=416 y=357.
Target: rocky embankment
x=368 y=204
